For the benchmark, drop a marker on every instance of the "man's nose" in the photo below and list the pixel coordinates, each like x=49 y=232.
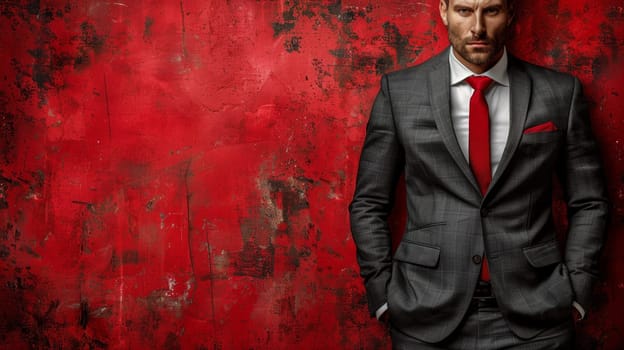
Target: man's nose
x=478 y=28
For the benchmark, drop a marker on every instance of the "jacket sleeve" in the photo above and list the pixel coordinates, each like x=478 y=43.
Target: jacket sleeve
x=586 y=198
x=380 y=166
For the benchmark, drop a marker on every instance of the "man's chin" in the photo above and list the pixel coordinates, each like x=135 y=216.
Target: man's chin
x=479 y=58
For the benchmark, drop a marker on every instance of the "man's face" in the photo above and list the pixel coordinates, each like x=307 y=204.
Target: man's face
x=477 y=30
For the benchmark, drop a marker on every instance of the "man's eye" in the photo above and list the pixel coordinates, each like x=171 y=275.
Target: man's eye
x=492 y=12
x=464 y=12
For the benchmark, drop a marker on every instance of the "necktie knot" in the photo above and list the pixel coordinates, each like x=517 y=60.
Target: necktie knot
x=479 y=82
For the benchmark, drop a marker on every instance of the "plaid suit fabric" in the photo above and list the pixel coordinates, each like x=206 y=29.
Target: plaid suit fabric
x=429 y=281
x=484 y=328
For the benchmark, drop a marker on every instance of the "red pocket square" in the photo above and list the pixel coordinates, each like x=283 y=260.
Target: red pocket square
x=548 y=126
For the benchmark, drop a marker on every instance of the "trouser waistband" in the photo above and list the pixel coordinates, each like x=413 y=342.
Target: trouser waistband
x=483 y=296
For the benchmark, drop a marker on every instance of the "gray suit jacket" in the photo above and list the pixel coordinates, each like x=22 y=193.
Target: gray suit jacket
x=429 y=281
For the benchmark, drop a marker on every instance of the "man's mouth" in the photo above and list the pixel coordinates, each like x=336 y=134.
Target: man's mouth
x=478 y=43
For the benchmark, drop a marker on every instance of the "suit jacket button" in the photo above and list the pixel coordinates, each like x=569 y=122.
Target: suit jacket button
x=476 y=259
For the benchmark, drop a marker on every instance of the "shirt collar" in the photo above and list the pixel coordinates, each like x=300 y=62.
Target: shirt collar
x=498 y=73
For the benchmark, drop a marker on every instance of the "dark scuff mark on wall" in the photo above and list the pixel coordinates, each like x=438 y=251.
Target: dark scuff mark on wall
x=347 y=16
x=36 y=183
x=321 y=73
x=33 y=7
x=90 y=38
x=330 y=13
x=351 y=61
x=183 y=34
x=255 y=260
x=187 y=175
x=150 y=318
x=293 y=44
x=29 y=250
x=90 y=41
x=292 y=196
x=162 y=299
x=149 y=206
x=90 y=206
x=5 y=252
x=84 y=314
x=289 y=18
x=289 y=15
x=615 y=12
x=340 y=53
x=86 y=342
x=350 y=14
x=27 y=87
x=147 y=31
x=286 y=199
x=556 y=53
x=552 y=7
x=351 y=58
x=20 y=296
x=172 y=342
x=47 y=15
x=608 y=39
x=51 y=55
x=598 y=65
x=130 y=257
x=281 y=28
x=400 y=43
x=41 y=70
x=383 y=64
x=127 y=257
x=7 y=147
x=335 y=8
x=44 y=66
x=296 y=254
x=44 y=322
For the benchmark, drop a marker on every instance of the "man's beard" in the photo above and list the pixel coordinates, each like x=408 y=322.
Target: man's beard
x=478 y=56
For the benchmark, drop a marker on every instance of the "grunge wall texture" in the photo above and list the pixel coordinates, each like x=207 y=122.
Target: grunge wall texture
x=176 y=174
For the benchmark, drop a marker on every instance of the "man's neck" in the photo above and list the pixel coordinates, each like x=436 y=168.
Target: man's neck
x=475 y=68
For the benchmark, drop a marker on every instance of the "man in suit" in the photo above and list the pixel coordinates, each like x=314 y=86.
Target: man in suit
x=480 y=137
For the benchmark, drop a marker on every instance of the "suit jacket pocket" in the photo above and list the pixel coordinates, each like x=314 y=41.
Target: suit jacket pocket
x=543 y=254
x=417 y=253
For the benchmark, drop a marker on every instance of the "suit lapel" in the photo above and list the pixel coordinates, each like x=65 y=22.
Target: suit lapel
x=440 y=95
x=520 y=94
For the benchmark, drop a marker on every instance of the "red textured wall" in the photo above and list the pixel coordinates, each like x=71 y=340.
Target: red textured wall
x=176 y=174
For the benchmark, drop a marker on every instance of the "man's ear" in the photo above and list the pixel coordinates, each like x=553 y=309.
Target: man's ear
x=443 y=12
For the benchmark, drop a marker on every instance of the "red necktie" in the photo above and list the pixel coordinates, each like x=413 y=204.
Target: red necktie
x=479 y=143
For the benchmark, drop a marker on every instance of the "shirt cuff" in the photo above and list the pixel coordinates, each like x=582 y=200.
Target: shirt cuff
x=383 y=308
x=576 y=305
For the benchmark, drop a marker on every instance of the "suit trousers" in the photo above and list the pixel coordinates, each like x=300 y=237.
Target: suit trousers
x=484 y=328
